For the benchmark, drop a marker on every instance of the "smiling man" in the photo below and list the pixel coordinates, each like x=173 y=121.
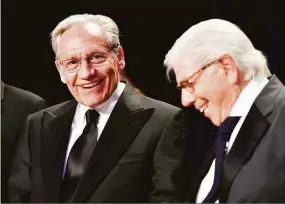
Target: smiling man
x=219 y=71
x=110 y=144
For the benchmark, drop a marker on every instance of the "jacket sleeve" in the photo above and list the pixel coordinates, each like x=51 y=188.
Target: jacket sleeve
x=168 y=159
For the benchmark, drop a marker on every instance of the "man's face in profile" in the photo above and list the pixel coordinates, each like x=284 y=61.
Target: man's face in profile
x=210 y=89
x=87 y=64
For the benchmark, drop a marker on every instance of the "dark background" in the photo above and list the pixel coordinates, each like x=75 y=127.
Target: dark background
x=148 y=30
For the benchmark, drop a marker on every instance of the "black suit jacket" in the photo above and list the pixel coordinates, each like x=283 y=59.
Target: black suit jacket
x=134 y=159
x=254 y=169
x=16 y=104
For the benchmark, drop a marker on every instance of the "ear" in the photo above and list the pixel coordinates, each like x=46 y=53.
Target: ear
x=230 y=68
x=121 y=59
x=58 y=66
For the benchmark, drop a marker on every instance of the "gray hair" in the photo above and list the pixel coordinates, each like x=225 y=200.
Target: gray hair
x=209 y=40
x=109 y=28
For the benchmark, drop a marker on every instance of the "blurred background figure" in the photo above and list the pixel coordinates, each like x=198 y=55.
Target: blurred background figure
x=16 y=104
x=125 y=77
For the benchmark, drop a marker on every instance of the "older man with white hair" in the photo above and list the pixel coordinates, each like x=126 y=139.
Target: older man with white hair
x=222 y=74
x=109 y=144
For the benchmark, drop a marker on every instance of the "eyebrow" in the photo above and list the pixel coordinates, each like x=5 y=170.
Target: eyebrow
x=87 y=53
x=189 y=80
x=186 y=82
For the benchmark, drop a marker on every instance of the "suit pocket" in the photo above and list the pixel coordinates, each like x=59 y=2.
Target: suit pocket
x=131 y=158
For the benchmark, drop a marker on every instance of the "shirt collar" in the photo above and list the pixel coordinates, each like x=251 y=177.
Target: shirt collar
x=248 y=96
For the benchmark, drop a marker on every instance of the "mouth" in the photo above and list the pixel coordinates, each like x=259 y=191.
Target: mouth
x=90 y=85
x=203 y=108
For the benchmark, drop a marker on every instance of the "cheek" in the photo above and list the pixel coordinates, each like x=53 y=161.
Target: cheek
x=111 y=80
x=70 y=81
x=213 y=90
x=112 y=74
x=204 y=90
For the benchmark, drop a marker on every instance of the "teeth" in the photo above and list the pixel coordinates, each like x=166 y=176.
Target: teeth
x=90 y=85
x=203 y=108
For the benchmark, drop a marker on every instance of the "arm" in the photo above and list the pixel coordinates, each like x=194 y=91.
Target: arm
x=168 y=180
x=19 y=179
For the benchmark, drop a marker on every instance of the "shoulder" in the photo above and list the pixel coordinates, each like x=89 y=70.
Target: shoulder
x=22 y=101
x=280 y=99
x=158 y=104
x=279 y=104
x=277 y=97
x=271 y=104
x=271 y=100
x=21 y=94
x=53 y=110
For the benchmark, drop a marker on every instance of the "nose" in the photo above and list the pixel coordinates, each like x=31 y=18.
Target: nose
x=187 y=99
x=84 y=71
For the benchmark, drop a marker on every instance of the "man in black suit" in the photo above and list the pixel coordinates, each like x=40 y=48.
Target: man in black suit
x=219 y=71
x=110 y=144
x=16 y=104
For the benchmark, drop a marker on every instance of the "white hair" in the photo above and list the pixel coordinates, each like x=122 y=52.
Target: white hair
x=109 y=28
x=209 y=40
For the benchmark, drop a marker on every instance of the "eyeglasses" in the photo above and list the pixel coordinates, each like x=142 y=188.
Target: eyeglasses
x=95 y=59
x=190 y=82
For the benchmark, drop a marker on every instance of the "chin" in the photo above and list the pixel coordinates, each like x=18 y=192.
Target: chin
x=216 y=122
x=91 y=103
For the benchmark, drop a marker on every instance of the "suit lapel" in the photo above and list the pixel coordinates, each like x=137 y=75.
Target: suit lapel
x=56 y=128
x=247 y=140
x=124 y=124
x=250 y=134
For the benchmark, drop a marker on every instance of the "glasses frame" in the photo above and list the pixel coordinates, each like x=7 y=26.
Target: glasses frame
x=83 y=58
x=190 y=86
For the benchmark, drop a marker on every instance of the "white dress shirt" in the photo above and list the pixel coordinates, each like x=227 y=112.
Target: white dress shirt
x=79 y=120
x=241 y=109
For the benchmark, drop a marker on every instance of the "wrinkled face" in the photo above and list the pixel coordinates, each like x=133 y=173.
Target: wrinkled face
x=87 y=65
x=209 y=89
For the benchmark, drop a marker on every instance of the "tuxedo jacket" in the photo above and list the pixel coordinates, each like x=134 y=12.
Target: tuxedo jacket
x=16 y=104
x=133 y=161
x=254 y=169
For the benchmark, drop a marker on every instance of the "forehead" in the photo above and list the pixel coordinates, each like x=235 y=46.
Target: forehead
x=78 y=38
